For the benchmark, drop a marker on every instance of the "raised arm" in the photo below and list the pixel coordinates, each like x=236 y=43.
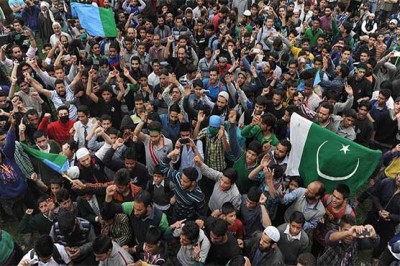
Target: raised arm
x=89 y=91
x=37 y=86
x=121 y=92
x=170 y=39
x=138 y=130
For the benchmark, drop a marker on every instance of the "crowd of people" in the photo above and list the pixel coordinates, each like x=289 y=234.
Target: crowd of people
x=177 y=132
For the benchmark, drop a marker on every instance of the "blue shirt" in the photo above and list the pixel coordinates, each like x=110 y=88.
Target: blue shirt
x=214 y=90
x=170 y=130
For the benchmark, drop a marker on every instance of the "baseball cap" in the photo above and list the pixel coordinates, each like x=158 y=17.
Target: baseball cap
x=215 y=121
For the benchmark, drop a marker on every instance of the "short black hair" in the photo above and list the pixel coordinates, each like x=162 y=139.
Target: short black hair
x=350 y=113
x=130 y=154
x=144 y=197
x=84 y=109
x=297 y=179
x=63 y=195
x=191 y=173
x=44 y=246
x=328 y=106
x=219 y=228
x=155 y=125
x=344 y=190
x=66 y=221
x=39 y=134
x=297 y=217
x=227 y=208
x=191 y=230
x=62 y=107
x=254 y=194
x=153 y=235
x=102 y=244
x=122 y=177
x=231 y=174
x=386 y=93
x=366 y=104
x=348 y=219
x=255 y=146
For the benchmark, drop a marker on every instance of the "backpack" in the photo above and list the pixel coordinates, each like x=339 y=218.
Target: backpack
x=56 y=256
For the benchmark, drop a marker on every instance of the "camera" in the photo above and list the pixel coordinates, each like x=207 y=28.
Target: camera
x=184 y=141
x=364 y=233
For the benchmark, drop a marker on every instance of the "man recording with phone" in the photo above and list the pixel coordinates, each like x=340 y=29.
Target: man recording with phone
x=344 y=244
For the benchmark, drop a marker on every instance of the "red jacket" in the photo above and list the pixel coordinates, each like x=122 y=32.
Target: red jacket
x=56 y=130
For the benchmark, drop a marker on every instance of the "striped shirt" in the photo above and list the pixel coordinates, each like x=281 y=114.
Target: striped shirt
x=189 y=204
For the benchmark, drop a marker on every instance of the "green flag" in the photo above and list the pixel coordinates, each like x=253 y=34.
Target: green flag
x=57 y=162
x=320 y=154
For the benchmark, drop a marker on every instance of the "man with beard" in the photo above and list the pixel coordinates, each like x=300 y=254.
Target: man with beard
x=308 y=201
x=90 y=168
x=275 y=106
x=325 y=119
x=76 y=235
x=156 y=145
x=224 y=245
x=16 y=52
x=263 y=249
x=58 y=130
x=140 y=211
x=180 y=62
x=171 y=123
x=363 y=126
x=391 y=31
x=162 y=30
x=59 y=96
x=219 y=108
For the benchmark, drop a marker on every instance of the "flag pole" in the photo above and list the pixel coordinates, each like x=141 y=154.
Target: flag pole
x=67 y=177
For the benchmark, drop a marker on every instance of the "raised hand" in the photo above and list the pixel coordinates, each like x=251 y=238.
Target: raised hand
x=22 y=127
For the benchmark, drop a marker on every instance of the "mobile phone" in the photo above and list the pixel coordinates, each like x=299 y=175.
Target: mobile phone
x=364 y=233
x=184 y=141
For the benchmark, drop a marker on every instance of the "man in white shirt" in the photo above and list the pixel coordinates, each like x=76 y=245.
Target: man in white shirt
x=84 y=126
x=46 y=253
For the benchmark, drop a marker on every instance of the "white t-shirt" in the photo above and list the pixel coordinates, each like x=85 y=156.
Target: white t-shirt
x=51 y=262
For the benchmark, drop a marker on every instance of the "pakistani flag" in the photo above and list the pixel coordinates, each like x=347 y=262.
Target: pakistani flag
x=320 y=154
x=57 y=162
x=97 y=21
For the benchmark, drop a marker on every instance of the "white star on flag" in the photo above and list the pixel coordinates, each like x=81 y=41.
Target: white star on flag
x=345 y=148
